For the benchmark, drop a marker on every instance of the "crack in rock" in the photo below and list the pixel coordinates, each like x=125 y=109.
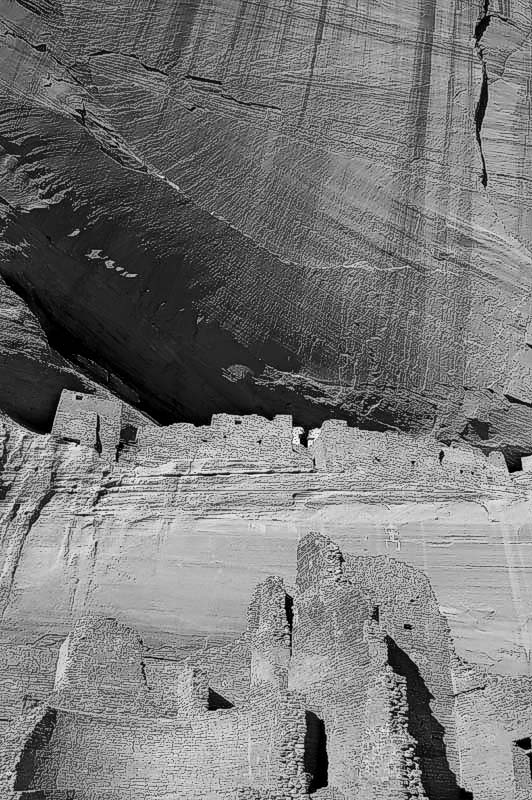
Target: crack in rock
x=481 y=26
x=216 y=86
x=147 y=67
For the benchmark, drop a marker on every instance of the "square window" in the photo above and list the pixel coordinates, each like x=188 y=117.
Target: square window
x=128 y=434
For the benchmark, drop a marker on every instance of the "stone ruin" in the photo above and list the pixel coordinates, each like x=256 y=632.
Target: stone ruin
x=253 y=444
x=346 y=687
x=99 y=422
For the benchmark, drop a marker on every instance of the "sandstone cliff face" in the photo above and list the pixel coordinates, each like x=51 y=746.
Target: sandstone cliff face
x=317 y=209
x=313 y=208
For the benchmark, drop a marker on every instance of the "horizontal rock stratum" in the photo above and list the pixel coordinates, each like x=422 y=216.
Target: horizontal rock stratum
x=314 y=208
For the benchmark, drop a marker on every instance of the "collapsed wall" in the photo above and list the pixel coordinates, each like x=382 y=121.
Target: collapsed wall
x=338 y=596
x=390 y=760
x=191 y=749
x=353 y=691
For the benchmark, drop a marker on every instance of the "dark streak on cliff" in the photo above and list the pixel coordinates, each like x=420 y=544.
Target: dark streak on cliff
x=482 y=104
x=318 y=37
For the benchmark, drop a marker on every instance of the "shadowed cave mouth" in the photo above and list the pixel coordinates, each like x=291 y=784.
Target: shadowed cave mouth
x=308 y=409
x=478 y=432
x=307 y=413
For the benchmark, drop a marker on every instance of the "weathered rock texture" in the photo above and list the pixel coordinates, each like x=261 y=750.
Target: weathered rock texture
x=346 y=687
x=312 y=208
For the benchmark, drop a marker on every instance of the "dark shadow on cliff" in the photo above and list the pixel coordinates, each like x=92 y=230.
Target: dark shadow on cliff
x=208 y=384
x=439 y=781
x=38 y=740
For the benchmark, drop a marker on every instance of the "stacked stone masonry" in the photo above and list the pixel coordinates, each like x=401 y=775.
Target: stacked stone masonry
x=348 y=689
x=251 y=444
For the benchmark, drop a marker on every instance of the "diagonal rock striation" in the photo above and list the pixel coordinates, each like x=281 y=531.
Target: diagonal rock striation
x=271 y=211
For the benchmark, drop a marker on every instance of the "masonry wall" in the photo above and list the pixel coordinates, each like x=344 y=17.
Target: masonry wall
x=277 y=730
x=420 y=649
x=389 y=766
x=89 y=420
x=377 y=705
x=330 y=659
x=259 y=747
x=119 y=726
x=175 y=688
x=340 y=448
x=144 y=754
x=228 y=668
x=250 y=443
x=28 y=674
x=31 y=732
x=244 y=793
x=100 y=668
x=493 y=714
x=270 y=631
x=229 y=444
x=260 y=655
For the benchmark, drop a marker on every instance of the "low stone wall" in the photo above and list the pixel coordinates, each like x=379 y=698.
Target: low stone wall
x=260 y=747
x=100 y=669
x=340 y=448
x=229 y=444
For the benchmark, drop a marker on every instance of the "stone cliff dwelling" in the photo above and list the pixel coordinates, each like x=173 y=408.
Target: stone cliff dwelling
x=345 y=687
x=250 y=443
x=265 y=270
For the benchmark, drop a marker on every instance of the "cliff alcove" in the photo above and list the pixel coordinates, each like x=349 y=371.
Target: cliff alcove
x=220 y=208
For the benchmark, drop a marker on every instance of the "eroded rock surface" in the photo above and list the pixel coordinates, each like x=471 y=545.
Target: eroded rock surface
x=310 y=208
